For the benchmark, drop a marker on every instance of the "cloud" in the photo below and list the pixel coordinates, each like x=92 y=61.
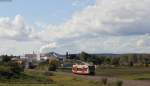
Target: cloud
x=126 y=19
x=15 y=29
x=107 y=26
x=106 y=44
x=14 y=47
x=81 y=3
x=119 y=17
x=143 y=41
x=106 y=17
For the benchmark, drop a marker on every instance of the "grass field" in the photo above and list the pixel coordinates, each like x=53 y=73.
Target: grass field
x=126 y=73
x=57 y=80
x=131 y=73
x=62 y=80
x=28 y=85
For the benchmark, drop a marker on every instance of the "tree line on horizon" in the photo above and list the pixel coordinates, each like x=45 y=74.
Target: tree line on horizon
x=120 y=60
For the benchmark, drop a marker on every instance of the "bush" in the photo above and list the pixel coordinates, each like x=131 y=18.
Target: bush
x=5 y=72
x=11 y=70
x=16 y=68
x=47 y=73
x=31 y=65
x=104 y=81
x=53 y=64
x=4 y=68
x=52 y=67
x=119 y=83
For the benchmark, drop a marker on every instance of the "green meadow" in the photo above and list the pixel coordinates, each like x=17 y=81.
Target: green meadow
x=129 y=73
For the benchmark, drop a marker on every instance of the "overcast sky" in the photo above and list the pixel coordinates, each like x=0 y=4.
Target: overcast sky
x=93 y=26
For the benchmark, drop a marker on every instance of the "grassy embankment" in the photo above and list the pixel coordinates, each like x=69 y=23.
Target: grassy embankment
x=28 y=76
x=39 y=78
x=131 y=73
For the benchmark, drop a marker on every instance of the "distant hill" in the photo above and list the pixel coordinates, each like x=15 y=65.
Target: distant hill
x=76 y=56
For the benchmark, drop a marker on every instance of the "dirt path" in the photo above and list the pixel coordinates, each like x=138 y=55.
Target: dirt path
x=110 y=80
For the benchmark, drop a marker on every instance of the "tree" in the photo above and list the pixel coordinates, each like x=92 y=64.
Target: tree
x=67 y=55
x=107 y=60
x=6 y=58
x=99 y=60
x=123 y=60
x=115 y=61
x=131 y=59
x=16 y=68
x=85 y=56
x=146 y=60
x=53 y=64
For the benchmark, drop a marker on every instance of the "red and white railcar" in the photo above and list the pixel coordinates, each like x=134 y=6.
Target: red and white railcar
x=84 y=69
